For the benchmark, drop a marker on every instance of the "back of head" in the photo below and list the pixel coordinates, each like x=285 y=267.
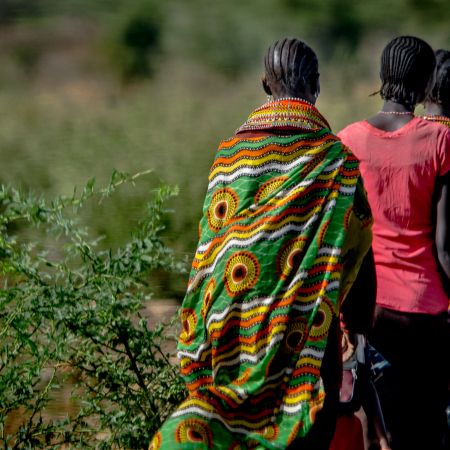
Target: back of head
x=440 y=93
x=407 y=66
x=290 y=66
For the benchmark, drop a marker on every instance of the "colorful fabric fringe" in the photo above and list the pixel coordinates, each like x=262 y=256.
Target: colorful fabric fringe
x=280 y=224
x=439 y=119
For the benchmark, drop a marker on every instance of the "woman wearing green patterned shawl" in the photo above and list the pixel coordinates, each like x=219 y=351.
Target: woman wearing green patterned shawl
x=285 y=229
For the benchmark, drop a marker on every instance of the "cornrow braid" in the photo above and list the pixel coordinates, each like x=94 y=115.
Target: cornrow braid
x=407 y=64
x=291 y=63
x=441 y=90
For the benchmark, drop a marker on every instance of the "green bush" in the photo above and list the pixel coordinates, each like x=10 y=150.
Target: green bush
x=12 y=9
x=68 y=309
x=134 y=39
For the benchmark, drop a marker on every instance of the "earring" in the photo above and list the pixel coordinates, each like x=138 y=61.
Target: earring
x=269 y=98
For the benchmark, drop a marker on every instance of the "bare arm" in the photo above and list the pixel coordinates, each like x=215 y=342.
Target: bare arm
x=442 y=237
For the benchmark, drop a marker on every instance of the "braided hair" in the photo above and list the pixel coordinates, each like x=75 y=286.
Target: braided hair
x=441 y=90
x=407 y=65
x=291 y=64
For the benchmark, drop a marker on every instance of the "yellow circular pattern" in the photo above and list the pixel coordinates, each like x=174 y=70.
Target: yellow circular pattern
x=268 y=187
x=316 y=406
x=290 y=256
x=241 y=273
x=295 y=336
x=270 y=432
x=155 y=443
x=188 y=323
x=224 y=204
x=194 y=431
x=208 y=297
x=322 y=320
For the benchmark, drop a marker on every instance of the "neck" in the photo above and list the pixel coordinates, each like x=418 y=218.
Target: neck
x=299 y=96
x=301 y=99
x=392 y=116
x=390 y=106
x=435 y=109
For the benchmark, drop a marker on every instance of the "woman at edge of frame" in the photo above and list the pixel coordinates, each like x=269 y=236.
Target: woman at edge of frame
x=437 y=104
x=405 y=164
x=437 y=109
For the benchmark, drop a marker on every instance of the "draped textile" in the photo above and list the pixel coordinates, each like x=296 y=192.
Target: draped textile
x=284 y=230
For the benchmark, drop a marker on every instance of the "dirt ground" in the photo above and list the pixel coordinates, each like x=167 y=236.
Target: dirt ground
x=159 y=311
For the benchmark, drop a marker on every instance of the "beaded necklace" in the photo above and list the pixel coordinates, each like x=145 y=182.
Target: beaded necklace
x=285 y=113
x=437 y=118
x=397 y=113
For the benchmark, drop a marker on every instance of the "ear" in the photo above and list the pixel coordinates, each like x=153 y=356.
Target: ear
x=266 y=86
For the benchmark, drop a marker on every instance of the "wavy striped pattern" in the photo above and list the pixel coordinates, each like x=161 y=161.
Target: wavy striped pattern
x=265 y=286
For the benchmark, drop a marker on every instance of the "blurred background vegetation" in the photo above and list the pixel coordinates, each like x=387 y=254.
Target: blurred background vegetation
x=87 y=86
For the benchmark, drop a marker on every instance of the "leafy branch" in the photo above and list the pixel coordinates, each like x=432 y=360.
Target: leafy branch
x=75 y=310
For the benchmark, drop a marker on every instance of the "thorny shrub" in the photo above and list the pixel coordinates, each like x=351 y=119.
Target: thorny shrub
x=70 y=309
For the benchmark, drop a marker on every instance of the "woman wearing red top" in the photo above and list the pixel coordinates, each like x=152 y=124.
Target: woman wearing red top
x=405 y=164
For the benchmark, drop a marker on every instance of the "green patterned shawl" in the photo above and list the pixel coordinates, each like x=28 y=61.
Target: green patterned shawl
x=279 y=219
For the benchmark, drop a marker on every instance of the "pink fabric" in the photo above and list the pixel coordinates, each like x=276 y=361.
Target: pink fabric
x=399 y=170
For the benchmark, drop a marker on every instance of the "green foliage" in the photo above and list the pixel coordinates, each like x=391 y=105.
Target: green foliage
x=67 y=113
x=344 y=24
x=218 y=37
x=134 y=37
x=13 y=9
x=27 y=57
x=68 y=309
